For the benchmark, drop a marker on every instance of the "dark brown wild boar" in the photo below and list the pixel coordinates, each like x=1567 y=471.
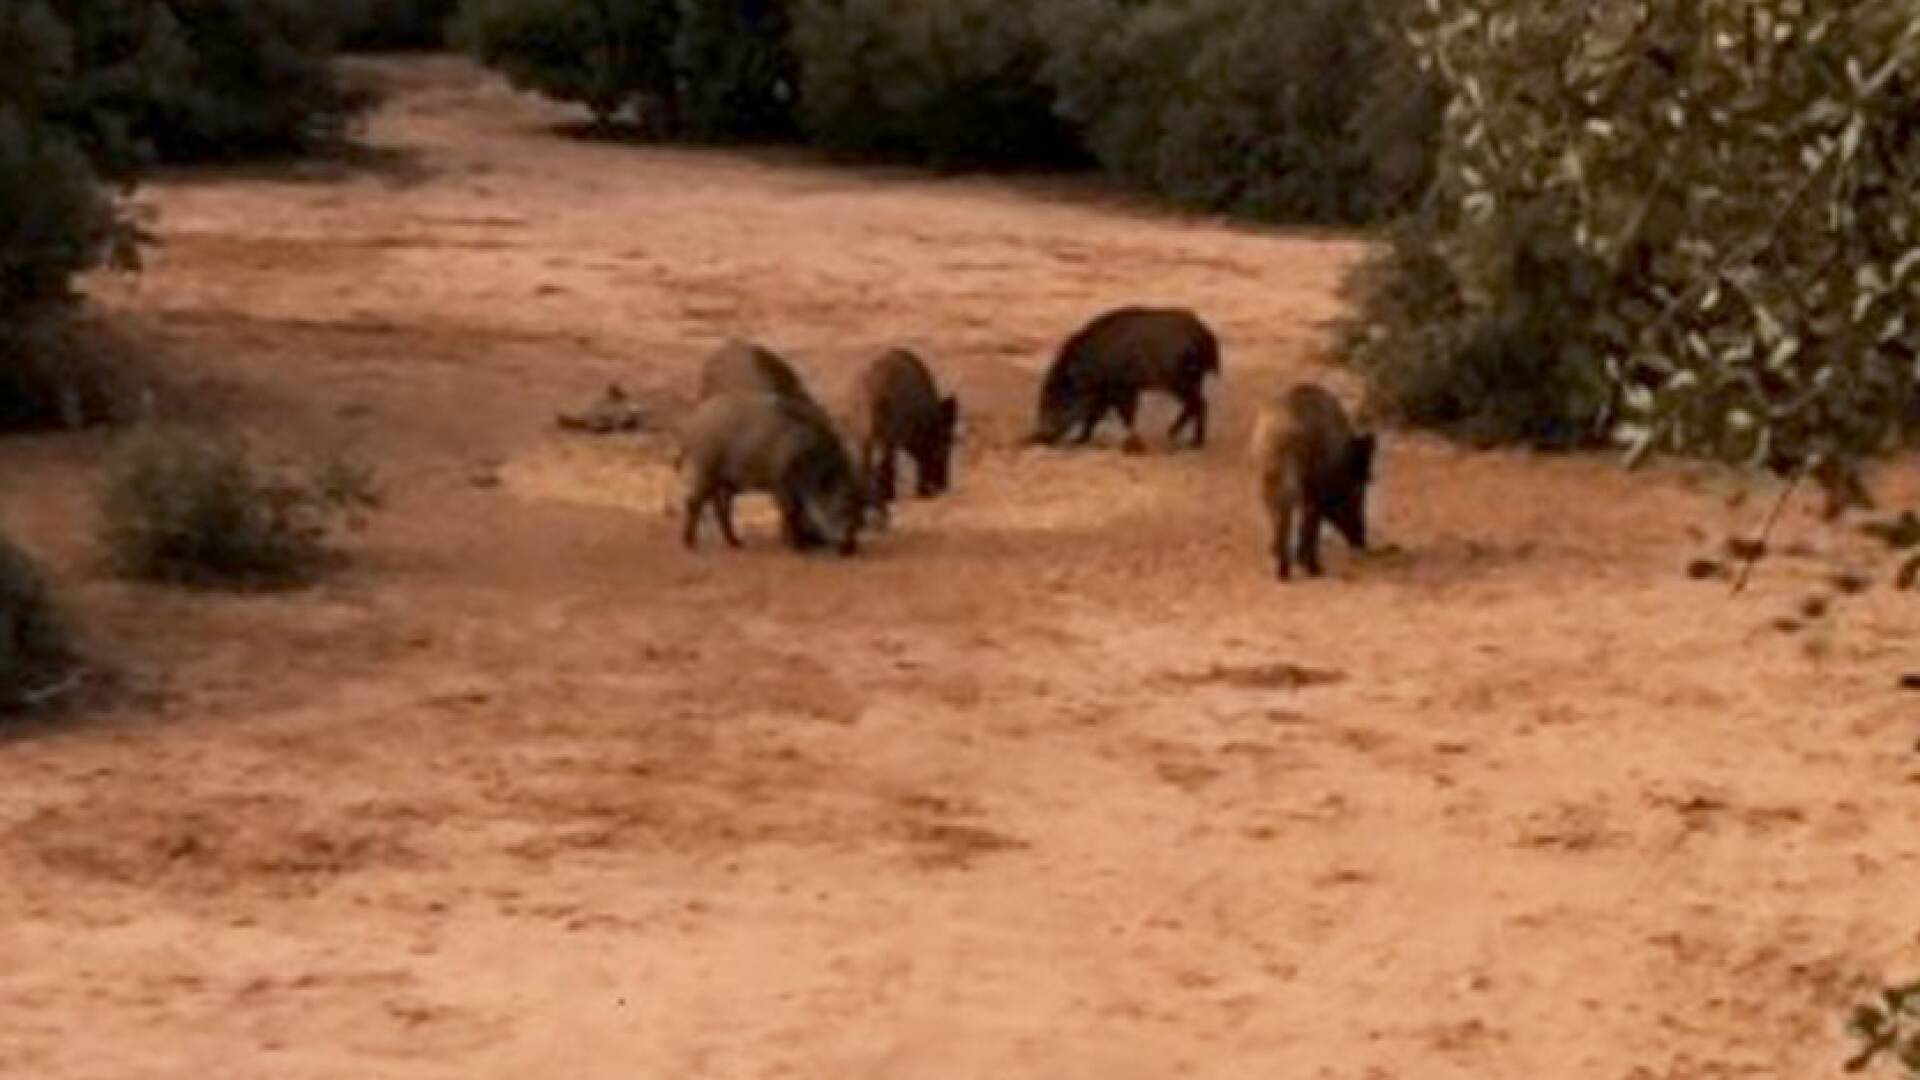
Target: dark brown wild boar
x=743 y=367
x=901 y=410
x=737 y=443
x=1111 y=361
x=1314 y=464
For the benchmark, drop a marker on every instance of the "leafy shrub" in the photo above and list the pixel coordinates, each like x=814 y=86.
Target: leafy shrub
x=1305 y=110
x=247 y=77
x=607 y=55
x=1492 y=371
x=56 y=219
x=956 y=83
x=374 y=25
x=186 y=81
x=186 y=508
x=1694 y=217
x=1302 y=111
x=735 y=75
x=35 y=652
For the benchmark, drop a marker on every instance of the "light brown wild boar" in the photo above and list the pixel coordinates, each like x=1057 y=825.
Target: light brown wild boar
x=1111 y=361
x=1312 y=463
x=901 y=410
x=745 y=367
x=739 y=443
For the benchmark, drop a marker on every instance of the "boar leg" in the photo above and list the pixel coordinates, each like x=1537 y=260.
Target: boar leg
x=794 y=526
x=1095 y=412
x=1128 y=406
x=1193 y=413
x=885 y=479
x=723 y=512
x=1310 y=538
x=1185 y=417
x=1282 y=540
x=696 y=504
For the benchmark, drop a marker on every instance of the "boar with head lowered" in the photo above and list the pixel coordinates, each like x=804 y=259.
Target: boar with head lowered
x=1111 y=361
x=740 y=443
x=1314 y=465
x=901 y=410
x=743 y=367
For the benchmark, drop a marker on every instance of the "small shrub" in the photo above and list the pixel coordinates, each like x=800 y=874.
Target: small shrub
x=35 y=652
x=1888 y=1032
x=187 y=508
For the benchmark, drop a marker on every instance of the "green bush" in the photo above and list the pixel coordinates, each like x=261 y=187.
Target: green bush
x=93 y=89
x=691 y=68
x=956 y=83
x=35 y=652
x=200 y=80
x=1689 y=223
x=1494 y=371
x=56 y=220
x=735 y=73
x=257 y=78
x=187 y=508
x=378 y=25
x=609 y=55
x=1301 y=111
x=1309 y=110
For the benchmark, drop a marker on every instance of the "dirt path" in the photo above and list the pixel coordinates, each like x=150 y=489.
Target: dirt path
x=1052 y=782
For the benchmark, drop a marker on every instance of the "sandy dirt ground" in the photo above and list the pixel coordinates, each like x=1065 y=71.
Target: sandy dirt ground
x=1052 y=781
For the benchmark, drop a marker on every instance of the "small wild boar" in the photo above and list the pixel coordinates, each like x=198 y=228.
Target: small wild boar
x=1312 y=463
x=744 y=367
x=1112 y=360
x=737 y=443
x=901 y=409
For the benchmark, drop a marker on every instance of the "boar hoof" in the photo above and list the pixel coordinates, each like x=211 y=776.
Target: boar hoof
x=1133 y=445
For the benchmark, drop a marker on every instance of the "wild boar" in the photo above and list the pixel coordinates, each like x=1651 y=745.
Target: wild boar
x=738 y=443
x=1112 y=360
x=901 y=410
x=1313 y=463
x=744 y=367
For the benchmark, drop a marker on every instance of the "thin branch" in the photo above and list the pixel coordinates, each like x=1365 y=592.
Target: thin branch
x=1766 y=532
